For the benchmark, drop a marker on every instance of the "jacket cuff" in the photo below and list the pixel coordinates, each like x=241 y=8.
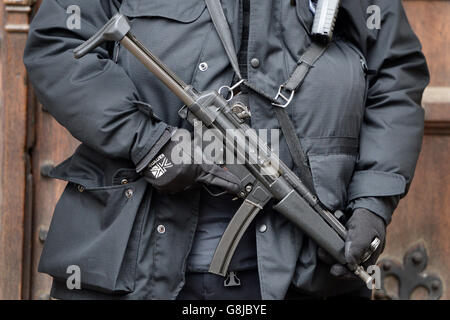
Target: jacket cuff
x=165 y=137
x=381 y=206
x=376 y=191
x=376 y=184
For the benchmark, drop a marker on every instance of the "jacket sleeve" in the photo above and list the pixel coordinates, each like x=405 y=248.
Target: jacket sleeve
x=93 y=97
x=392 y=131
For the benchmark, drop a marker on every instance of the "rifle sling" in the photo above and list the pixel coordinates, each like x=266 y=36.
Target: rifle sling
x=306 y=62
x=304 y=65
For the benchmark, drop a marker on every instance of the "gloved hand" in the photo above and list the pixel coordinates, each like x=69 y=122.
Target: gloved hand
x=170 y=176
x=362 y=228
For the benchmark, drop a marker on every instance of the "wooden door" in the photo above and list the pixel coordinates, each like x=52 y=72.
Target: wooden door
x=30 y=141
x=16 y=139
x=423 y=217
x=53 y=144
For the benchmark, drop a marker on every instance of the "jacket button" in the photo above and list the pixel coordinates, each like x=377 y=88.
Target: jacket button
x=124 y=181
x=262 y=228
x=161 y=229
x=80 y=188
x=129 y=193
x=203 y=66
x=255 y=63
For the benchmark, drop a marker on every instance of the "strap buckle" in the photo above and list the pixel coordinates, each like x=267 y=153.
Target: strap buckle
x=286 y=100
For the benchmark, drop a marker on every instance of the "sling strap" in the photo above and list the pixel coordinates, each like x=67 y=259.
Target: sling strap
x=286 y=91
x=304 y=65
x=295 y=147
x=221 y=24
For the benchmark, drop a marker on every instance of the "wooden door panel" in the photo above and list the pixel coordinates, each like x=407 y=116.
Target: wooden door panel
x=53 y=145
x=15 y=127
x=423 y=217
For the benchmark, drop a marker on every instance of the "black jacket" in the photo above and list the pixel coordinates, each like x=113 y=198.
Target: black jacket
x=362 y=133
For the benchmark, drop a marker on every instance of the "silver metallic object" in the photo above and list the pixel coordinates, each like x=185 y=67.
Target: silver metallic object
x=373 y=247
x=325 y=18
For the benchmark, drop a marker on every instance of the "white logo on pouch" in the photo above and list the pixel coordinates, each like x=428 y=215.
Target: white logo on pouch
x=160 y=166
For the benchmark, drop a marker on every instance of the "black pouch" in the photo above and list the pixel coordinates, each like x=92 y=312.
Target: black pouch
x=96 y=225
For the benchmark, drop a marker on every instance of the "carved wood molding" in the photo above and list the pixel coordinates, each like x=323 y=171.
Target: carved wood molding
x=436 y=102
x=14 y=8
x=15 y=128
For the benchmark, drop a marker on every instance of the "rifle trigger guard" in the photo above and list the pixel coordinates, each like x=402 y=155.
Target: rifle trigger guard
x=214 y=194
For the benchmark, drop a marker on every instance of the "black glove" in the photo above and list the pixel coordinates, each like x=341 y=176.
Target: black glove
x=362 y=228
x=168 y=176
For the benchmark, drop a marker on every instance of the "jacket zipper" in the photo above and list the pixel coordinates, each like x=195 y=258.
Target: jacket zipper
x=364 y=67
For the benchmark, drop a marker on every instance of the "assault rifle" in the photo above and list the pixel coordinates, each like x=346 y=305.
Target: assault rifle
x=263 y=176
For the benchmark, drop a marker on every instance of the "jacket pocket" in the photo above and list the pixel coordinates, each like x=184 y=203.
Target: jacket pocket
x=332 y=175
x=332 y=162
x=98 y=231
x=96 y=228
